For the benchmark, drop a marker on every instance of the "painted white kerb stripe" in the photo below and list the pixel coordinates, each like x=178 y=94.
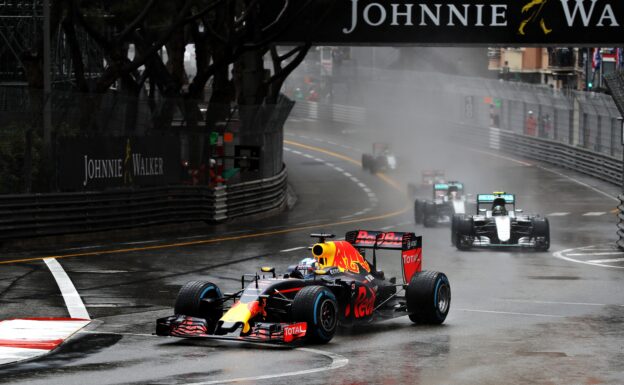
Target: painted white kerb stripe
x=607 y=260
x=338 y=361
x=75 y=306
x=562 y=254
x=598 y=253
x=26 y=339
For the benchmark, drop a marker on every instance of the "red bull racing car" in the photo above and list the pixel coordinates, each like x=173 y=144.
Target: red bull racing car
x=308 y=302
x=428 y=179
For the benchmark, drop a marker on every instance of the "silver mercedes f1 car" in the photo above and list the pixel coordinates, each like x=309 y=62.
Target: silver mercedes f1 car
x=498 y=223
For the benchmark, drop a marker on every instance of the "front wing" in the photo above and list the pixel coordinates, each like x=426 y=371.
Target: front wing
x=191 y=327
x=483 y=241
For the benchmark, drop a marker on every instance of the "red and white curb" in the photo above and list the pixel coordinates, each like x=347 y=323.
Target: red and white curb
x=28 y=338
x=25 y=339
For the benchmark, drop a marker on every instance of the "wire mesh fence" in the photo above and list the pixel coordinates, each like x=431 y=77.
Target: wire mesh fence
x=216 y=143
x=583 y=119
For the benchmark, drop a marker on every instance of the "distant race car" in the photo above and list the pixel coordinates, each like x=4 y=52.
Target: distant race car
x=336 y=286
x=427 y=179
x=381 y=159
x=448 y=199
x=499 y=224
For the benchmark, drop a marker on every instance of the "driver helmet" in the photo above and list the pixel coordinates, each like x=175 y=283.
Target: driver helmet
x=307 y=266
x=453 y=192
x=499 y=210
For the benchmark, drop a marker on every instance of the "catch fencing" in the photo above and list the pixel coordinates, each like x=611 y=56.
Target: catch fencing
x=242 y=143
x=586 y=120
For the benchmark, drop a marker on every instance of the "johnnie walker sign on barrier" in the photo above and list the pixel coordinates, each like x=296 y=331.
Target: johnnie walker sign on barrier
x=99 y=163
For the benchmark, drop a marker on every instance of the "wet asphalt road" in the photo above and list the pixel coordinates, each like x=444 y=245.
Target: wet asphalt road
x=516 y=317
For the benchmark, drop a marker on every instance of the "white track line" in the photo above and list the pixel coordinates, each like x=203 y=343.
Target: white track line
x=594 y=214
x=142 y=242
x=511 y=313
x=372 y=197
x=561 y=214
x=293 y=249
x=579 y=182
x=83 y=248
x=337 y=361
x=551 y=171
x=75 y=306
x=560 y=303
x=501 y=157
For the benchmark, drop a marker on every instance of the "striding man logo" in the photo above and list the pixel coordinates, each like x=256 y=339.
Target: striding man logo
x=127 y=174
x=534 y=9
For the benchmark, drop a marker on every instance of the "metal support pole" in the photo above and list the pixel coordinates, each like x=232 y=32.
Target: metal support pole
x=47 y=89
x=621 y=119
x=620 y=226
x=586 y=68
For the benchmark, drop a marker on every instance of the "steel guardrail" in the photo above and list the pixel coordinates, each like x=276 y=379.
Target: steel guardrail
x=329 y=112
x=620 y=225
x=588 y=162
x=32 y=215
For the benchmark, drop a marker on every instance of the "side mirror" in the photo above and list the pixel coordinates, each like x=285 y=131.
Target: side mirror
x=482 y=210
x=518 y=210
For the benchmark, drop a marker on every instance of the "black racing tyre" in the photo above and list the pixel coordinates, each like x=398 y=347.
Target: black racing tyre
x=541 y=233
x=365 y=161
x=373 y=165
x=464 y=227
x=417 y=212
x=318 y=307
x=429 y=214
x=189 y=301
x=428 y=297
x=456 y=218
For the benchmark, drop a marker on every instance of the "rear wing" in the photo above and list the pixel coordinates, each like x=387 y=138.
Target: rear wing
x=489 y=198
x=459 y=185
x=365 y=239
x=440 y=186
x=410 y=245
x=432 y=176
x=380 y=147
x=433 y=173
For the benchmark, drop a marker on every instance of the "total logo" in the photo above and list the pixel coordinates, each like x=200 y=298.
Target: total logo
x=408 y=259
x=295 y=330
